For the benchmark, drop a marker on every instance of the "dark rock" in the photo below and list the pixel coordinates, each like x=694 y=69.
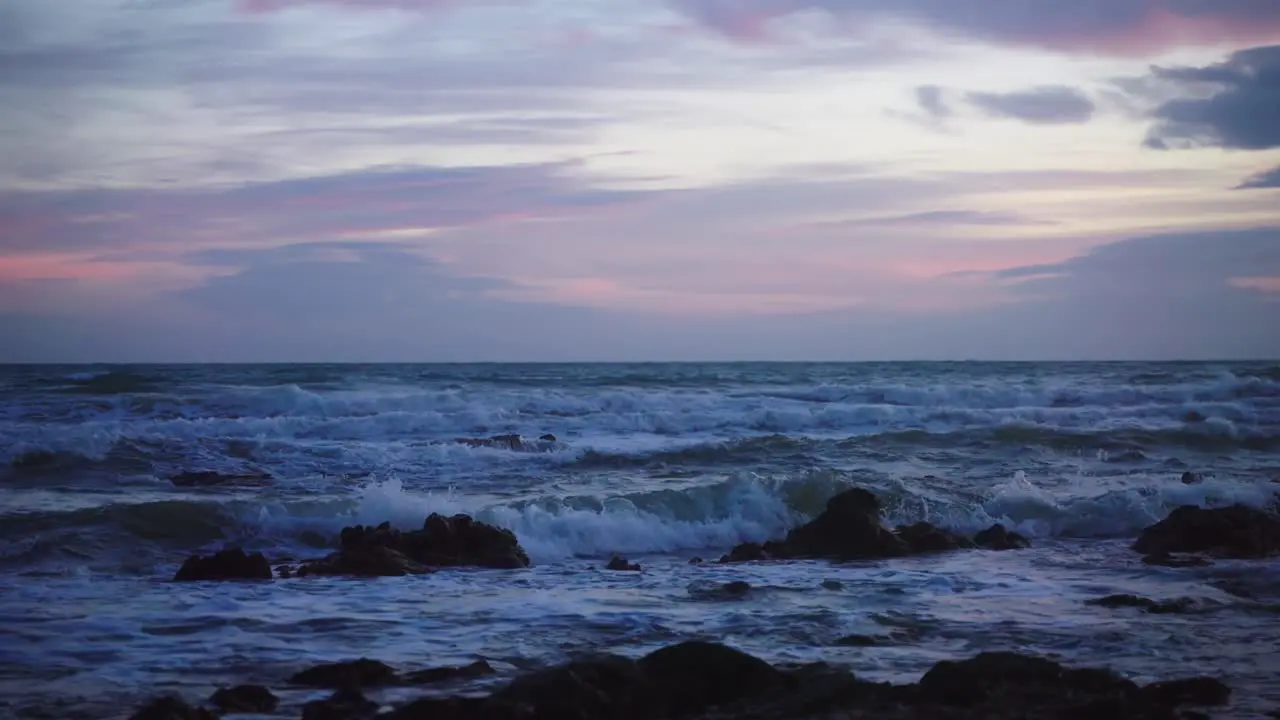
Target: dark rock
x=354 y=674
x=430 y=676
x=442 y=542
x=1191 y=691
x=1236 y=532
x=746 y=552
x=925 y=538
x=1159 y=608
x=245 y=699
x=231 y=564
x=693 y=676
x=458 y=708
x=717 y=592
x=620 y=563
x=212 y=478
x=514 y=443
x=345 y=704
x=997 y=537
x=832 y=585
x=171 y=708
x=1193 y=416
x=695 y=561
x=1166 y=560
x=368 y=562
x=737 y=588
x=1192 y=478
x=858 y=641
x=603 y=687
x=849 y=529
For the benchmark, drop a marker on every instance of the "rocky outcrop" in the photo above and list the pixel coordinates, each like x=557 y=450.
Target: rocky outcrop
x=232 y=564
x=171 y=708
x=997 y=537
x=1233 y=532
x=514 y=443
x=442 y=542
x=1155 y=607
x=851 y=529
x=245 y=699
x=708 y=680
x=433 y=676
x=620 y=564
x=353 y=674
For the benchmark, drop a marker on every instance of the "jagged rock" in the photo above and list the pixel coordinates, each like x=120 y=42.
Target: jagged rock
x=1192 y=478
x=608 y=686
x=245 y=699
x=1152 y=606
x=431 y=676
x=354 y=674
x=442 y=542
x=171 y=708
x=997 y=537
x=232 y=564
x=345 y=704
x=924 y=538
x=619 y=563
x=514 y=443
x=1236 y=532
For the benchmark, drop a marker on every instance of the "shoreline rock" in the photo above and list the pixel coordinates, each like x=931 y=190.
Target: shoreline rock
x=229 y=564
x=850 y=528
x=1238 y=531
x=384 y=551
x=705 y=679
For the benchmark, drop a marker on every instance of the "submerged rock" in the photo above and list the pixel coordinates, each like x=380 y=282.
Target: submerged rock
x=353 y=674
x=1192 y=478
x=1175 y=561
x=232 y=564
x=171 y=708
x=1152 y=606
x=514 y=443
x=997 y=537
x=619 y=563
x=431 y=676
x=442 y=542
x=344 y=704
x=212 y=478
x=1235 y=532
x=245 y=699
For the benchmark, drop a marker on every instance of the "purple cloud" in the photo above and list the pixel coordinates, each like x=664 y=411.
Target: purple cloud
x=1268 y=179
x=1054 y=105
x=1241 y=109
x=1122 y=27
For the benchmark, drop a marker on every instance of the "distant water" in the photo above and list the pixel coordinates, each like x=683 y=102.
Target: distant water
x=658 y=462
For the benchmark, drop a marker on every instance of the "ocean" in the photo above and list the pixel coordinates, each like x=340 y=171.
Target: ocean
x=658 y=462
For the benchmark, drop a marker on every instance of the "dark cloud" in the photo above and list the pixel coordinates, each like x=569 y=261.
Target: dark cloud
x=1269 y=179
x=931 y=100
x=1113 y=26
x=1234 y=104
x=1051 y=105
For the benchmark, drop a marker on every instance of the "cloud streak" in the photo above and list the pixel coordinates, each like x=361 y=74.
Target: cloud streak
x=1052 y=105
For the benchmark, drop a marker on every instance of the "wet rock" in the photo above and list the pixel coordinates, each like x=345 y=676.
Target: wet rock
x=245 y=699
x=1175 y=561
x=993 y=674
x=1236 y=532
x=602 y=687
x=1192 y=478
x=354 y=674
x=619 y=563
x=1191 y=691
x=212 y=478
x=345 y=704
x=925 y=538
x=737 y=588
x=458 y=708
x=849 y=529
x=1152 y=606
x=365 y=562
x=1193 y=416
x=997 y=537
x=832 y=585
x=746 y=552
x=695 y=561
x=170 y=708
x=442 y=542
x=514 y=443
x=693 y=676
x=431 y=676
x=232 y=564
x=859 y=641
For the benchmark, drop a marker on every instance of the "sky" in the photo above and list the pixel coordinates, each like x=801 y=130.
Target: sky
x=557 y=180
